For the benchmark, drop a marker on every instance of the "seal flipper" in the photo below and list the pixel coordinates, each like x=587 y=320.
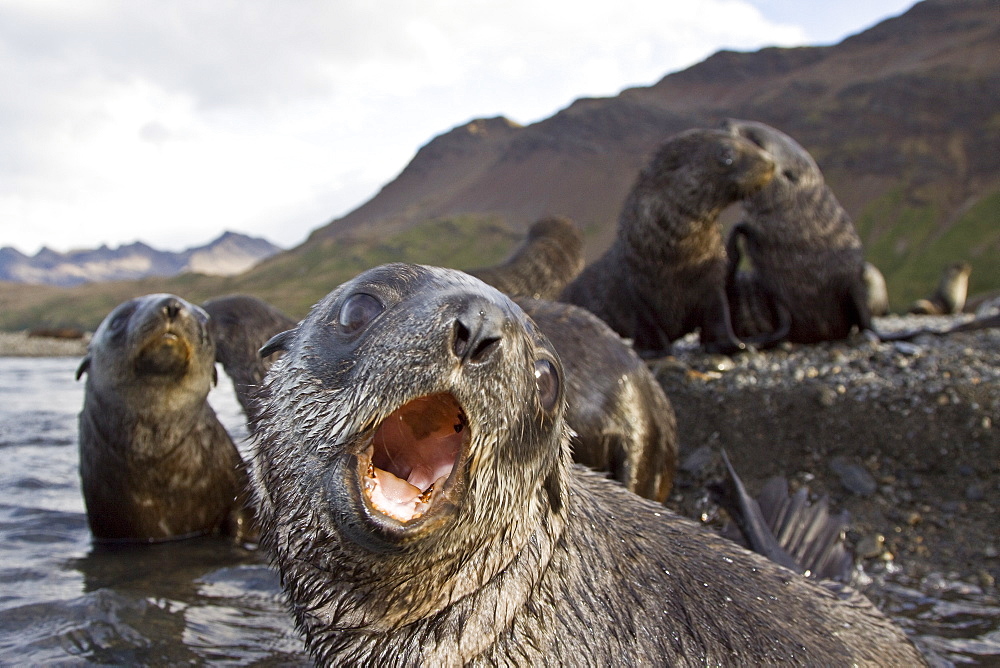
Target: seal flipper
x=787 y=529
x=82 y=369
x=809 y=533
x=278 y=343
x=746 y=513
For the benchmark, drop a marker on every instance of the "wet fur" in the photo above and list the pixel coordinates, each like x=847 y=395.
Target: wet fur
x=951 y=293
x=664 y=275
x=550 y=257
x=537 y=561
x=807 y=260
x=621 y=419
x=240 y=325
x=155 y=462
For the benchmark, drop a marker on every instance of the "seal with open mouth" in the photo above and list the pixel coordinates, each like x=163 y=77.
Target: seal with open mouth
x=413 y=471
x=155 y=462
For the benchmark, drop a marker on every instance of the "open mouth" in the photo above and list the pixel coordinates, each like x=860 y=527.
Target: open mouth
x=412 y=455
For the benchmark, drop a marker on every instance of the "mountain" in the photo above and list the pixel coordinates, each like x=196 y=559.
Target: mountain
x=902 y=118
x=230 y=254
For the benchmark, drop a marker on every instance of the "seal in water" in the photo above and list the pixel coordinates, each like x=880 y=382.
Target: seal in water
x=155 y=462
x=806 y=257
x=550 y=257
x=621 y=419
x=413 y=470
x=665 y=273
x=951 y=292
x=240 y=325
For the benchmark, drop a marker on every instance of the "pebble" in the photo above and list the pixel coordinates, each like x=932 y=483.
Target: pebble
x=870 y=547
x=853 y=477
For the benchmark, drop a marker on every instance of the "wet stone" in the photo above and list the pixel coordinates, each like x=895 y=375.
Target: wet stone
x=871 y=546
x=975 y=492
x=699 y=460
x=853 y=477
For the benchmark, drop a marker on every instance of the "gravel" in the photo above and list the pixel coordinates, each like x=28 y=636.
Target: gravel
x=903 y=435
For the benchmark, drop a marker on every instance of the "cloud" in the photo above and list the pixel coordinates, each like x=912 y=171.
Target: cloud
x=170 y=122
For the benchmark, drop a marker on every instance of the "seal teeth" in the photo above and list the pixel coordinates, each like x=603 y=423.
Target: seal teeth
x=426 y=496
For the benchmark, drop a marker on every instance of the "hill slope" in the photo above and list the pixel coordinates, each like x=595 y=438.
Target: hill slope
x=902 y=118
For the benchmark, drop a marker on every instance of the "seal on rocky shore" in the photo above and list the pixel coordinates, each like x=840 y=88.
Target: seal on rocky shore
x=621 y=419
x=876 y=290
x=951 y=293
x=155 y=462
x=240 y=325
x=665 y=273
x=413 y=470
x=806 y=256
x=550 y=257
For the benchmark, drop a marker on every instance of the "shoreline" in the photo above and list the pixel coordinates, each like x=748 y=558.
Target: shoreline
x=20 y=344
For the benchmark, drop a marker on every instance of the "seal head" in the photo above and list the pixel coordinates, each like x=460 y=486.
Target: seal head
x=155 y=462
x=384 y=422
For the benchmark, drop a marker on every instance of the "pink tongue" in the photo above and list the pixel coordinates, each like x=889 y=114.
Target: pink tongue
x=394 y=489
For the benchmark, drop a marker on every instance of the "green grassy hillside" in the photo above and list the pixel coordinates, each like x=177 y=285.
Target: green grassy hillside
x=902 y=238
x=291 y=281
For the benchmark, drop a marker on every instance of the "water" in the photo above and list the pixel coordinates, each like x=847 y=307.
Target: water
x=63 y=600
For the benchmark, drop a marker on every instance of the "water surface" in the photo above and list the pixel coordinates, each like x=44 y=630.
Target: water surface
x=62 y=600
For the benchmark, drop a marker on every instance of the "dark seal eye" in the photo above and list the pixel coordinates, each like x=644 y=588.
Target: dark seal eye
x=547 y=382
x=120 y=320
x=358 y=311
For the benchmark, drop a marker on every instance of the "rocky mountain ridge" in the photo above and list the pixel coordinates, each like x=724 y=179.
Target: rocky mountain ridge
x=229 y=254
x=900 y=118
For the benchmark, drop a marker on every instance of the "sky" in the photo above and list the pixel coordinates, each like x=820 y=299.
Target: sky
x=170 y=122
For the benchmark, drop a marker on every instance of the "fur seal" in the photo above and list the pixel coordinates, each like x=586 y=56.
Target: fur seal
x=240 y=325
x=807 y=260
x=412 y=466
x=664 y=275
x=876 y=290
x=155 y=462
x=951 y=292
x=621 y=419
x=550 y=257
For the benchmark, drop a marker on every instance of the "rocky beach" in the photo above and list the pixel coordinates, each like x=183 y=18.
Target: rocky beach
x=22 y=344
x=903 y=435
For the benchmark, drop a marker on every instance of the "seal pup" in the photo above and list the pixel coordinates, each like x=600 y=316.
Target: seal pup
x=240 y=325
x=664 y=275
x=155 y=462
x=950 y=295
x=876 y=290
x=413 y=470
x=807 y=260
x=621 y=419
x=550 y=257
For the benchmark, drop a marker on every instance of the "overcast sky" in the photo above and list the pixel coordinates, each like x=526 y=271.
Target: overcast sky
x=170 y=121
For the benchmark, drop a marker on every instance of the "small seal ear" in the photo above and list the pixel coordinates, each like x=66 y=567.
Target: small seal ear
x=84 y=365
x=278 y=343
x=215 y=376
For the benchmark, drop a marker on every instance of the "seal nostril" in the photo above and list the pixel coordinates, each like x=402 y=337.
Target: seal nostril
x=171 y=308
x=483 y=348
x=477 y=330
x=461 y=339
